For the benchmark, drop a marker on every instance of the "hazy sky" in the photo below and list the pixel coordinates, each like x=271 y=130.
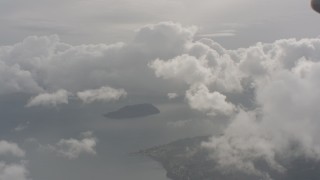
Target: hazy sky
x=210 y=66
x=105 y=21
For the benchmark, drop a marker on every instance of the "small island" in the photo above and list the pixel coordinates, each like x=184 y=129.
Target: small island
x=133 y=111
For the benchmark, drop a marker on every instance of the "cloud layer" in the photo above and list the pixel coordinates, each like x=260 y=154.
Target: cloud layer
x=48 y=68
x=280 y=80
x=268 y=91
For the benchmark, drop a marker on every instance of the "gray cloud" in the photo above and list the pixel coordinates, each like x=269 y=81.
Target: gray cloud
x=15 y=79
x=12 y=171
x=11 y=148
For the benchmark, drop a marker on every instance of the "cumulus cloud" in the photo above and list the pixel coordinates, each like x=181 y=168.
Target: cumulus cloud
x=14 y=79
x=49 y=99
x=184 y=67
x=103 y=94
x=42 y=65
x=15 y=171
x=73 y=148
x=284 y=77
x=12 y=171
x=203 y=62
x=164 y=39
x=280 y=80
x=9 y=148
x=244 y=142
x=212 y=103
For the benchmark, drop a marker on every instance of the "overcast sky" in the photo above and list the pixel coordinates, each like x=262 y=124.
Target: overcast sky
x=210 y=66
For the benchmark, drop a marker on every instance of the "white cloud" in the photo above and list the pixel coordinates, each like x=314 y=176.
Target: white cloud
x=285 y=78
x=103 y=94
x=164 y=39
x=42 y=65
x=244 y=141
x=47 y=99
x=172 y=95
x=15 y=171
x=73 y=148
x=8 y=148
x=279 y=79
x=184 y=67
x=212 y=103
x=203 y=62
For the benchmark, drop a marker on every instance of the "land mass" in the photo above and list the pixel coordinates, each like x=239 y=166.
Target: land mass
x=186 y=160
x=133 y=111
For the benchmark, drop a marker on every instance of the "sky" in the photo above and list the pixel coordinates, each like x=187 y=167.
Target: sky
x=211 y=67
